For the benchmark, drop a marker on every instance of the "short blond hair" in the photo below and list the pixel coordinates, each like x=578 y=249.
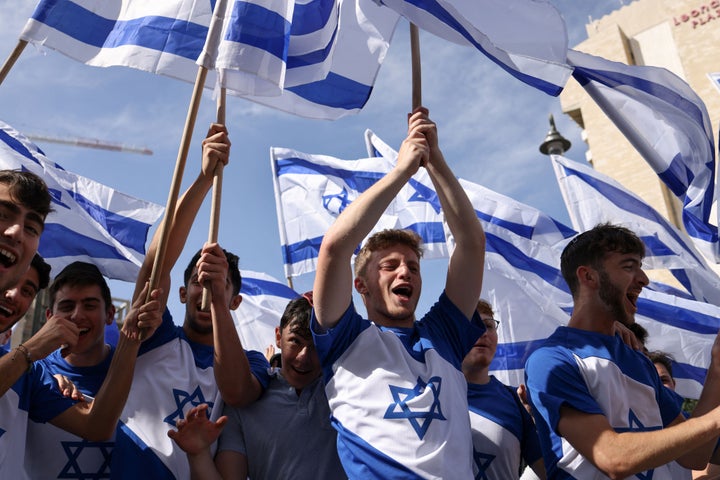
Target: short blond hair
x=384 y=239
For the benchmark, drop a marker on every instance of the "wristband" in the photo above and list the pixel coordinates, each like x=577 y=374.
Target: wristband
x=23 y=349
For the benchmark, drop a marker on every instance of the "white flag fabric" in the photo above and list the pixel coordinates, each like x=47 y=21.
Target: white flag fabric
x=527 y=38
x=593 y=198
x=667 y=122
x=522 y=278
x=312 y=190
x=91 y=222
x=264 y=301
x=313 y=58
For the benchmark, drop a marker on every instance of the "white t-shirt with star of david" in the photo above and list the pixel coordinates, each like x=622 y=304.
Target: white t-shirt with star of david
x=397 y=395
x=51 y=452
x=172 y=375
x=596 y=374
x=502 y=431
x=34 y=396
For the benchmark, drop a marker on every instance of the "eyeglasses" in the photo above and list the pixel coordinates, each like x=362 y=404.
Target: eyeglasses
x=490 y=324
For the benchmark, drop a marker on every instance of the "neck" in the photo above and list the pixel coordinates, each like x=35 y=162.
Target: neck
x=90 y=358
x=197 y=337
x=595 y=319
x=480 y=375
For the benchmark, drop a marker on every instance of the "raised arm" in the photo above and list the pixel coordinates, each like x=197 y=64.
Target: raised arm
x=215 y=150
x=332 y=290
x=97 y=420
x=465 y=269
x=238 y=386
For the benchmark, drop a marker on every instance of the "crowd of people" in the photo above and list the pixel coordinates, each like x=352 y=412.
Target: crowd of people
x=392 y=395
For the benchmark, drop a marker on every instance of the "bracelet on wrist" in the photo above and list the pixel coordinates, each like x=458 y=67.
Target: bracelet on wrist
x=26 y=353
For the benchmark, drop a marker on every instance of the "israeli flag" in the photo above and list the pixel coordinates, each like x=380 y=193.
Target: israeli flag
x=527 y=38
x=593 y=198
x=286 y=54
x=668 y=124
x=91 y=222
x=264 y=301
x=312 y=190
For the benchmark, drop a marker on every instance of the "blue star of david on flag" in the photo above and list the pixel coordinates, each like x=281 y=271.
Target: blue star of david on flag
x=635 y=425
x=182 y=399
x=419 y=419
x=483 y=461
x=2 y=432
x=336 y=203
x=87 y=460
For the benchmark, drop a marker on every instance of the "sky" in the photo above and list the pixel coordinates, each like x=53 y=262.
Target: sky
x=490 y=127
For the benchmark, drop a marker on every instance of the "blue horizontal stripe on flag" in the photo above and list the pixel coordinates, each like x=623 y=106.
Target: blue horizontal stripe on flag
x=259 y=27
x=690 y=372
x=430 y=232
x=171 y=35
x=436 y=10
x=512 y=356
x=311 y=58
x=359 y=181
x=335 y=91
x=520 y=261
x=16 y=145
x=679 y=317
x=300 y=251
x=129 y=232
x=312 y=16
x=60 y=241
x=256 y=286
x=631 y=205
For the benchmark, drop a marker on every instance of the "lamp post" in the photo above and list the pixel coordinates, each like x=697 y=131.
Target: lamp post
x=554 y=143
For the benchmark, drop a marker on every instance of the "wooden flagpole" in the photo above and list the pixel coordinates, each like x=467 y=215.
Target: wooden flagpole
x=7 y=66
x=216 y=198
x=416 y=71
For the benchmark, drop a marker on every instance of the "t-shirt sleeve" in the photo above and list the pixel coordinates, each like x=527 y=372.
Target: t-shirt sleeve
x=553 y=380
x=259 y=367
x=46 y=401
x=232 y=437
x=332 y=343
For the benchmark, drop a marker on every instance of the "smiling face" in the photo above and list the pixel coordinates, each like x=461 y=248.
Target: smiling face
x=84 y=306
x=391 y=285
x=198 y=324
x=300 y=361
x=17 y=300
x=621 y=279
x=20 y=229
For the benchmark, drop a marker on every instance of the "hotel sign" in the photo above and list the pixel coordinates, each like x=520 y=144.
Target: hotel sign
x=700 y=15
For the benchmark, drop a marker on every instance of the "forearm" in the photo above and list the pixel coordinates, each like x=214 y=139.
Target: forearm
x=182 y=221
x=202 y=466
x=12 y=366
x=236 y=382
x=110 y=400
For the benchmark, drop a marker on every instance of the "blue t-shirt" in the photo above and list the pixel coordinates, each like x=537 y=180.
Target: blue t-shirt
x=502 y=431
x=397 y=395
x=595 y=374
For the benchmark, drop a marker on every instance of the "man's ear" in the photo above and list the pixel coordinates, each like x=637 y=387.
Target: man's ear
x=235 y=302
x=110 y=314
x=277 y=337
x=48 y=313
x=360 y=285
x=183 y=294
x=587 y=276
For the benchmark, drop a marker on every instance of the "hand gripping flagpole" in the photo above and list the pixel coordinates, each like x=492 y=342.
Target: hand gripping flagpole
x=416 y=71
x=206 y=61
x=216 y=198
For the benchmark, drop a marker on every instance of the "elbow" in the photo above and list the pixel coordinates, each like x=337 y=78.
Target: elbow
x=239 y=398
x=615 y=468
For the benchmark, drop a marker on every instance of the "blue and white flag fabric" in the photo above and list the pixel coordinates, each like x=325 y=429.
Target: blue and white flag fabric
x=91 y=222
x=527 y=38
x=312 y=190
x=593 y=198
x=668 y=124
x=263 y=302
x=523 y=282
x=314 y=58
